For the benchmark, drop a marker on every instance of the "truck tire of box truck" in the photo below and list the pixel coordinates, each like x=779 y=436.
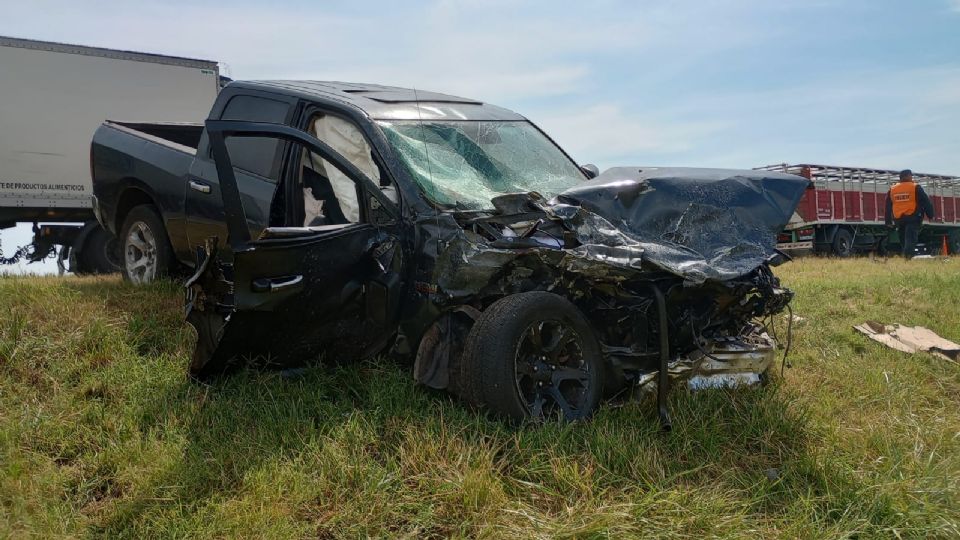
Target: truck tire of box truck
x=97 y=252
x=85 y=249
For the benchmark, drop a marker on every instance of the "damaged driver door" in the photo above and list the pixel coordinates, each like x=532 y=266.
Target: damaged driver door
x=294 y=292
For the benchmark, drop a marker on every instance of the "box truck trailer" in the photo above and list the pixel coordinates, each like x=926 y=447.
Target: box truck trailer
x=53 y=96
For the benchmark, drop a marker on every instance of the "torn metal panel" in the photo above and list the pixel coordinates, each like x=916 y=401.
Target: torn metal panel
x=533 y=244
x=441 y=347
x=209 y=306
x=910 y=339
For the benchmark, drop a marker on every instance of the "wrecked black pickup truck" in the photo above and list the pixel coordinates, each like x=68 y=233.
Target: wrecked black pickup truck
x=457 y=234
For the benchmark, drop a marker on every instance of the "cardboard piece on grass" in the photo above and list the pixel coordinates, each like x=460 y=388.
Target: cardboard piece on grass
x=910 y=339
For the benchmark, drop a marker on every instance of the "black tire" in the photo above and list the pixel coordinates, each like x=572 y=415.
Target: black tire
x=100 y=253
x=883 y=247
x=953 y=242
x=843 y=243
x=148 y=225
x=508 y=368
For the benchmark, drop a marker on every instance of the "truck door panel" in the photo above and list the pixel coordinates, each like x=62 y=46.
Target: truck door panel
x=256 y=162
x=295 y=299
x=204 y=204
x=295 y=292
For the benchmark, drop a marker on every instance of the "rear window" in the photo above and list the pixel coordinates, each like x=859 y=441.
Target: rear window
x=255 y=154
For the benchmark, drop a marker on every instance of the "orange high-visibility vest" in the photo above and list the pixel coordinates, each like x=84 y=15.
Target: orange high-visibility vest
x=904 y=197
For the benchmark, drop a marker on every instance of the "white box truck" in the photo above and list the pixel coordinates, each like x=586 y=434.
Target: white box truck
x=53 y=96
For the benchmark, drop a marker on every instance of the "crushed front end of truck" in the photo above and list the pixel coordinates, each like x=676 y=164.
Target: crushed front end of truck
x=534 y=308
x=671 y=267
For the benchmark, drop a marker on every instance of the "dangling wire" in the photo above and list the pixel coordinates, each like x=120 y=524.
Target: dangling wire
x=696 y=341
x=786 y=351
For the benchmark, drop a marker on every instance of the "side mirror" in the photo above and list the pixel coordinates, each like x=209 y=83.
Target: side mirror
x=591 y=170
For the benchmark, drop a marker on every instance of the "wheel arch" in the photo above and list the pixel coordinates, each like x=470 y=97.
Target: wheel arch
x=825 y=233
x=136 y=194
x=441 y=345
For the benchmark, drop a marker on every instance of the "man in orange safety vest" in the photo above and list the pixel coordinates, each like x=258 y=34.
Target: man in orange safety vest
x=907 y=203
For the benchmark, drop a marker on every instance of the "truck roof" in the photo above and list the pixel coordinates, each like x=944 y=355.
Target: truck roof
x=388 y=102
x=118 y=54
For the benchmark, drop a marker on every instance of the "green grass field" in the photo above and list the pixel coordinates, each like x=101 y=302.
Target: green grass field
x=101 y=434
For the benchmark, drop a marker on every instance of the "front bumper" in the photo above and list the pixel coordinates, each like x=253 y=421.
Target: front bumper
x=728 y=362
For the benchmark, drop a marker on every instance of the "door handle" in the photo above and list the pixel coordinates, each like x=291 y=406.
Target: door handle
x=275 y=284
x=199 y=186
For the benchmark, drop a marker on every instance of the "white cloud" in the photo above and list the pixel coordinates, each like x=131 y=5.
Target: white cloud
x=605 y=132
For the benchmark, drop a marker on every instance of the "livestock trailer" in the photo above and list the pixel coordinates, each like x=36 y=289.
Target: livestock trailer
x=844 y=209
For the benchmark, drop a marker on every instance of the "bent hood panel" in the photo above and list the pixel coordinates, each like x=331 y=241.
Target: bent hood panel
x=697 y=223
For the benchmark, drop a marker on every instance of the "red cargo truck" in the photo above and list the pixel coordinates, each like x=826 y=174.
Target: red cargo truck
x=843 y=211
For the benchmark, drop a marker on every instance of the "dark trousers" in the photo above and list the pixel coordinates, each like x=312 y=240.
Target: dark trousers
x=908 y=230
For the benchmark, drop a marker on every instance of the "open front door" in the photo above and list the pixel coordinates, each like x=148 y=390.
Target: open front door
x=295 y=292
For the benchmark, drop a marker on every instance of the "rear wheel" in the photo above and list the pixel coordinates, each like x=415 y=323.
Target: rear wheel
x=146 y=249
x=953 y=241
x=533 y=355
x=843 y=243
x=100 y=253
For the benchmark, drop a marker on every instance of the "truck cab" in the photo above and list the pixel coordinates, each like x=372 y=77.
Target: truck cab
x=173 y=173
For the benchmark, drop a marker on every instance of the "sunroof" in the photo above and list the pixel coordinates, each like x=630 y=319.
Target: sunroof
x=409 y=96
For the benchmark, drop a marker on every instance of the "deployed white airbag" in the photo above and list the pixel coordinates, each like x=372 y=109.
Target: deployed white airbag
x=347 y=140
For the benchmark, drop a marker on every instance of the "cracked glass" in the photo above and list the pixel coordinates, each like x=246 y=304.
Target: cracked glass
x=464 y=164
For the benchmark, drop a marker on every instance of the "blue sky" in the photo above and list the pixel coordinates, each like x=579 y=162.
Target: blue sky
x=727 y=83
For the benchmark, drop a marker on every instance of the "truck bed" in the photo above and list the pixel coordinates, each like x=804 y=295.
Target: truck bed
x=156 y=157
x=184 y=135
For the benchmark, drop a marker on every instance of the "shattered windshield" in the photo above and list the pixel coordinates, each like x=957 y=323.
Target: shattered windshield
x=465 y=164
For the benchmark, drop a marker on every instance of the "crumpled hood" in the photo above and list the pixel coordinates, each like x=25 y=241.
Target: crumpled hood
x=700 y=224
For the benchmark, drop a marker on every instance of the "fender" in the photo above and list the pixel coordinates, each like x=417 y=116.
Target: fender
x=440 y=348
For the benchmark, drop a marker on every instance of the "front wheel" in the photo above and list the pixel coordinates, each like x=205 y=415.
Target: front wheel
x=533 y=355
x=146 y=250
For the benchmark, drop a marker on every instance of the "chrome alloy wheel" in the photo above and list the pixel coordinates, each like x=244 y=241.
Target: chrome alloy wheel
x=140 y=254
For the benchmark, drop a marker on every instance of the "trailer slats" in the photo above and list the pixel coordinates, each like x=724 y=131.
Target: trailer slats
x=857 y=195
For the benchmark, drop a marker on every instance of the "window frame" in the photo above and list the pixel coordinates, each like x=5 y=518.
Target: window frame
x=292 y=163
x=237 y=232
x=275 y=175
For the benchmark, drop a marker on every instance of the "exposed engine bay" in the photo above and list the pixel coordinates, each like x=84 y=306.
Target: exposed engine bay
x=615 y=244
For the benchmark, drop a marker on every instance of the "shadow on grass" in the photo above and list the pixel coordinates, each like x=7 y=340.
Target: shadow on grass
x=754 y=442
